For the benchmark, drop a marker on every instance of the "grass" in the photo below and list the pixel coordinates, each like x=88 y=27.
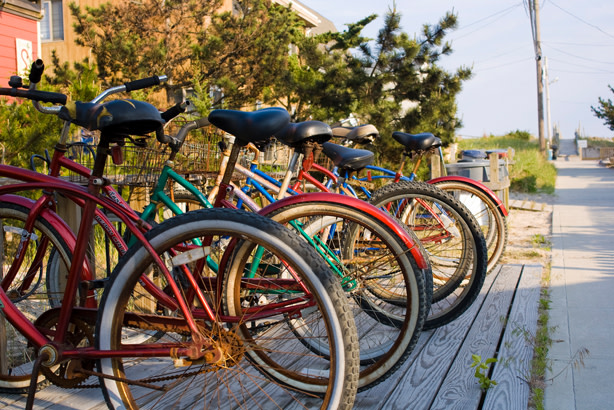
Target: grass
x=540 y=364
x=599 y=142
x=530 y=171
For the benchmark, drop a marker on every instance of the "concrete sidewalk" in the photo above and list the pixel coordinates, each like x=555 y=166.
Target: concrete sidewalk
x=582 y=286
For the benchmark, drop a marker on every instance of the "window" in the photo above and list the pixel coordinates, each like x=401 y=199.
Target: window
x=52 y=24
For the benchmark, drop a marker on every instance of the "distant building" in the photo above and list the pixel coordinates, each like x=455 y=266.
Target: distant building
x=19 y=41
x=57 y=32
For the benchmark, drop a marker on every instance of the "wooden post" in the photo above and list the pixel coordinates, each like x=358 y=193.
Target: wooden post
x=3 y=344
x=435 y=166
x=71 y=214
x=494 y=168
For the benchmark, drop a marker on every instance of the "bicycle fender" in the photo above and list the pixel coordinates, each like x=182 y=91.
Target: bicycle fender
x=56 y=222
x=419 y=257
x=476 y=184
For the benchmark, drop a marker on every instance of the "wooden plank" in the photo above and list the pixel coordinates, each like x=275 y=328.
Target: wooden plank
x=460 y=389
x=438 y=373
x=514 y=359
x=419 y=384
x=372 y=398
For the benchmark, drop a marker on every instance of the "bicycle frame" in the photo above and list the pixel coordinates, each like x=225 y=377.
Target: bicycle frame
x=396 y=176
x=261 y=182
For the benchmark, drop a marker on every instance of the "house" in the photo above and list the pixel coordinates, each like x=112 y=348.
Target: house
x=59 y=34
x=19 y=41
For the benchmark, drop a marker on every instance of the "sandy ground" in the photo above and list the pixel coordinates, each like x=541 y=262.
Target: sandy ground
x=529 y=232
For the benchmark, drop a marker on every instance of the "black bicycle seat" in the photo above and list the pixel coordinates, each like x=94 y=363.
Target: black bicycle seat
x=417 y=142
x=348 y=158
x=361 y=134
x=296 y=133
x=250 y=126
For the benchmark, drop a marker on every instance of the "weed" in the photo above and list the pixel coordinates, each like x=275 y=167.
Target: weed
x=540 y=241
x=481 y=371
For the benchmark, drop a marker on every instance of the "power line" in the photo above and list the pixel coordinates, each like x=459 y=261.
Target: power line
x=506 y=10
x=583 y=21
x=582 y=58
x=504 y=64
x=595 y=70
x=577 y=44
x=499 y=14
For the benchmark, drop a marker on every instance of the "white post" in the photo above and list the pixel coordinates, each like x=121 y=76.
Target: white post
x=547 y=102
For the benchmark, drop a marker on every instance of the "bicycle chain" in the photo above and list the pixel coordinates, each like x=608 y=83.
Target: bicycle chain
x=231 y=338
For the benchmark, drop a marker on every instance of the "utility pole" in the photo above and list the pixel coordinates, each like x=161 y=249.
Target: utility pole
x=534 y=14
x=547 y=85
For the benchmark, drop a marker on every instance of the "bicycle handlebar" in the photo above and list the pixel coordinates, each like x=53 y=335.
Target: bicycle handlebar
x=36 y=72
x=35 y=95
x=144 y=83
x=174 y=111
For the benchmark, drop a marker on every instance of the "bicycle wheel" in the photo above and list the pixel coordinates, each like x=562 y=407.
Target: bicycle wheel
x=28 y=290
x=380 y=276
x=486 y=212
x=260 y=360
x=452 y=239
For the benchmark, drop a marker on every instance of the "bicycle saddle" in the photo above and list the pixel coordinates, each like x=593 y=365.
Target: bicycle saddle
x=250 y=126
x=417 y=142
x=348 y=158
x=296 y=133
x=362 y=134
x=118 y=117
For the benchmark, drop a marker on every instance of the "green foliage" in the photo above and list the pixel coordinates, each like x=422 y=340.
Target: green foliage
x=529 y=171
x=521 y=135
x=593 y=142
x=392 y=82
x=24 y=131
x=240 y=52
x=540 y=241
x=481 y=371
x=605 y=110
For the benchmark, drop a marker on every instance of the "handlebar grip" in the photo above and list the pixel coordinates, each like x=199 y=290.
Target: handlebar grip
x=36 y=71
x=44 y=96
x=144 y=83
x=174 y=111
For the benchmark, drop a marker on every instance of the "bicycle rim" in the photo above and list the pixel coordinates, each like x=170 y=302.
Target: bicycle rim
x=262 y=361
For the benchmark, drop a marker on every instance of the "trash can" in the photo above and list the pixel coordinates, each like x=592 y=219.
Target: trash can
x=501 y=152
x=474 y=169
x=473 y=155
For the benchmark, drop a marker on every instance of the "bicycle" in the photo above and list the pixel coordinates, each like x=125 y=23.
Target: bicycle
x=202 y=318
x=399 y=323
x=339 y=229
x=450 y=234
x=484 y=204
x=305 y=139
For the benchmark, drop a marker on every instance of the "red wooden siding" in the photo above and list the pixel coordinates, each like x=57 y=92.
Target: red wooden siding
x=12 y=27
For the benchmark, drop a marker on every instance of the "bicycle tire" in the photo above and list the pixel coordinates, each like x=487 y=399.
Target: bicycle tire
x=293 y=377
x=488 y=215
x=457 y=252
x=384 y=356
x=378 y=263
x=18 y=354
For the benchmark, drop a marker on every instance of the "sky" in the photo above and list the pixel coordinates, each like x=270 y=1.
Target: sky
x=494 y=38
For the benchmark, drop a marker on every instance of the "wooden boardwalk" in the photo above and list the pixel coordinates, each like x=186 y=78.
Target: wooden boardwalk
x=438 y=375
